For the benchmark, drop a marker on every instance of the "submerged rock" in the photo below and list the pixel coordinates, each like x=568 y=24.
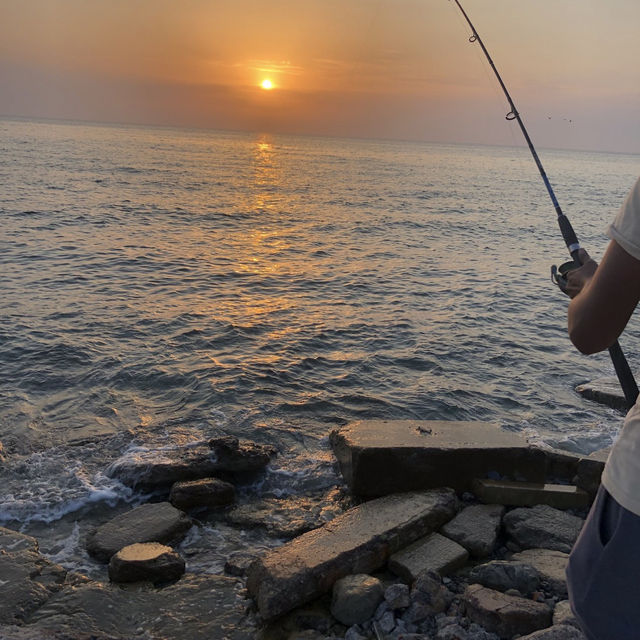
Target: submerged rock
x=150 y=561
x=207 y=492
x=157 y=522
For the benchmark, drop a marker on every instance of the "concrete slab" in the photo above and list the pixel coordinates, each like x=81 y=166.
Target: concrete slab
x=604 y=391
x=435 y=552
x=528 y=494
x=379 y=457
x=360 y=540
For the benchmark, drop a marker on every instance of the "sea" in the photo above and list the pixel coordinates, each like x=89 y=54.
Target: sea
x=162 y=286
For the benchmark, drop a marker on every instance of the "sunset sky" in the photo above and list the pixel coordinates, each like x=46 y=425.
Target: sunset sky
x=363 y=68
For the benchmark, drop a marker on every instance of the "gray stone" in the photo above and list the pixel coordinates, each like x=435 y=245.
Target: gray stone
x=452 y=632
x=27 y=580
x=551 y=567
x=148 y=561
x=206 y=492
x=556 y=632
x=606 y=391
x=543 y=527
x=157 y=522
x=356 y=598
x=163 y=468
x=503 y=614
x=502 y=576
x=562 y=614
x=397 y=596
x=238 y=563
x=428 y=596
x=378 y=457
x=198 y=607
x=358 y=541
x=387 y=622
x=35 y=633
x=528 y=494
x=434 y=552
x=476 y=528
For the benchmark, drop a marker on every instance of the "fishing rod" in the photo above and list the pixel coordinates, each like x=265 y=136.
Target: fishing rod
x=558 y=275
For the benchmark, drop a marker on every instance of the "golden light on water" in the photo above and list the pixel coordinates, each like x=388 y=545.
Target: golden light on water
x=267 y=84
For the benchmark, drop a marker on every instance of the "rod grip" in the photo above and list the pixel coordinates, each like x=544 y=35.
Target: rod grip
x=569 y=235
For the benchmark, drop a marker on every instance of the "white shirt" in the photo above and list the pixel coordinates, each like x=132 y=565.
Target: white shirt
x=621 y=476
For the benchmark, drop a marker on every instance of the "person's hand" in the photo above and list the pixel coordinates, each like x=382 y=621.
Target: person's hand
x=578 y=278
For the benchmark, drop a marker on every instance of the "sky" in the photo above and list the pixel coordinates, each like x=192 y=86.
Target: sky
x=399 y=69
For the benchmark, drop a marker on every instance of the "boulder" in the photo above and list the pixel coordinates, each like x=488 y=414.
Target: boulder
x=27 y=579
x=150 y=561
x=356 y=598
x=476 y=528
x=198 y=607
x=379 y=457
x=434 y=552
x=556 y=632
x=502 y=576
x=503 y=614
x=543 y=527
x=160 y=468
x=551 y=567
x=357 y=541
x=155 y=522
x=206 y=492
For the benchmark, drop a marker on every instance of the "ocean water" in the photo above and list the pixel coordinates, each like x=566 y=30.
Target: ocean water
x=160 y=286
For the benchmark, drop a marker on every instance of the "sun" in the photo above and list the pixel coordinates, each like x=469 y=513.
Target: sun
x=266 y=84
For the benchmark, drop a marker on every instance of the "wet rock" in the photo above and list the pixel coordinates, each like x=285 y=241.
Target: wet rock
x=356 y=598
x=198 y=607
x=476 y=528
x=379 y=457
x=562 y=614
x=605 y=391
x=503 y=614
x=150 y=561
x=238 y=563
x=502 y=575
x=543 y=527
x=551 y=567
x=556 y=632
x=162 y=468
x=434 y=552
x=358 y=541
x=27 y=579
x=158 y=522
x=397 y=596
x=283 y=517
x=206 y=492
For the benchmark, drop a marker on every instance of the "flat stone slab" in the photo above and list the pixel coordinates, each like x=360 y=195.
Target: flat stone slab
x=529 y=494
x=551 y=566
x=360 y=540
x=476 y=528
x=150 y=561
x=379 y=457
x=504 y=614
x=198 y=607
x=543 y=527
x=155 y=522
x=604 y=391
x=435 y=552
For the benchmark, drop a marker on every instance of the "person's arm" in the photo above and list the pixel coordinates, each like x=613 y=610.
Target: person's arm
x=603 y=298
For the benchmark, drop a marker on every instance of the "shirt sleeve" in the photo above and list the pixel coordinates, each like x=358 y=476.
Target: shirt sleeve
x=625 y=229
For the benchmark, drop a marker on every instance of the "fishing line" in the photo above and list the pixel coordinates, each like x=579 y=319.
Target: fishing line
x=620 y=364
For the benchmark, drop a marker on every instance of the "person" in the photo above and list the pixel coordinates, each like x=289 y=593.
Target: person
x=603 y=572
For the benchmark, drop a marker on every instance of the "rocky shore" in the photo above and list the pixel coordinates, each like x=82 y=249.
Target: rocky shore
x=442 y=531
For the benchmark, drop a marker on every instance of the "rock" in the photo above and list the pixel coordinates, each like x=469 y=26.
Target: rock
x=503 y=614
x=429 y=595
x=605 y=391
x=397 y=596
x=378 y=457
x=556 y=632
x=150 y=561
x=589 y=470
x=198 y=607
x=434 y=552
x=238 y=563
x=356 y=598
x=528 y=494
x=358 y=541
x=562 y=614
x=452 y=632
x=476 y=528
x=502 y=576
x=157 y=522
x=27 y=579
x=543 y=527
x=551 y=567
x=160 y=468
x=35 y=633
x=207 y=492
